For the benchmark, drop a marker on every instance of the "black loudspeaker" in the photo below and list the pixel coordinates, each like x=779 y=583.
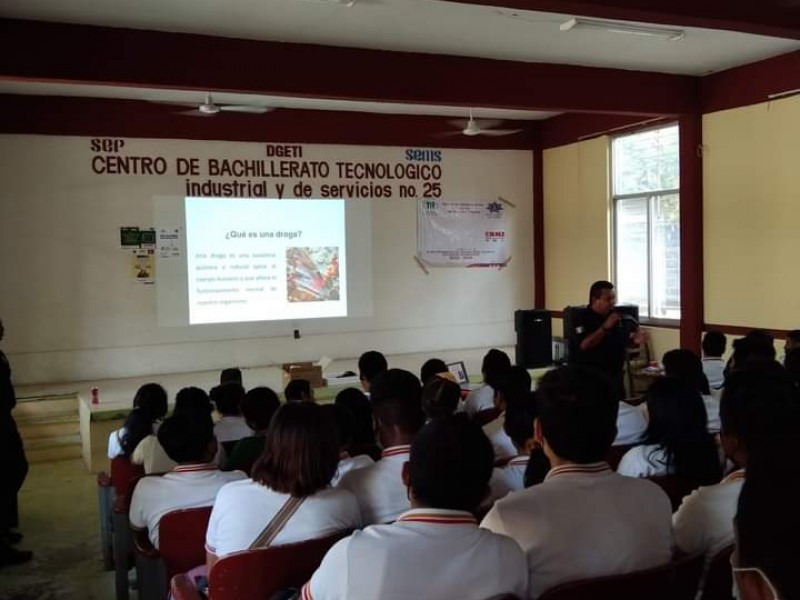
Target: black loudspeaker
x=630 y=321
x=534 y=338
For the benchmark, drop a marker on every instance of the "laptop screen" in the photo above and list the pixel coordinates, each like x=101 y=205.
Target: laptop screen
x=459 y=371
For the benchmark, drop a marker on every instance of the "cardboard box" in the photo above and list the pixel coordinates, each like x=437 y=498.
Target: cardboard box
x=304 y=370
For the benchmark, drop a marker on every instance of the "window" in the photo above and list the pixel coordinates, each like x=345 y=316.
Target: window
x=646 y=197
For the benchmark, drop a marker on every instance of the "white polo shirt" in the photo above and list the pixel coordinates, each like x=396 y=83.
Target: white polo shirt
x=510 y=478
x=379 y=488
x=244 y=508
x=501 y=444
x=231 y=429
x=712 y=412
x=150 y=454
x=115 y=443
x=478 y=400
x=644 y=461
x=714 y=369
x=185 y=486
x=427 y=553
x=704 y=521
x=631 y=424
x=349 y=463
x=585 y=521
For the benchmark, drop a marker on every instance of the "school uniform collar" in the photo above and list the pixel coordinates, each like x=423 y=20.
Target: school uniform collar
x=437 y=516
x=194 y=468
x=402 y=450
x=519 y=461
x=734 y=476
x=574 y=469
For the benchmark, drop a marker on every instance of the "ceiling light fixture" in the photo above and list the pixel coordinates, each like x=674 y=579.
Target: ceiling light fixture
x=672 y=35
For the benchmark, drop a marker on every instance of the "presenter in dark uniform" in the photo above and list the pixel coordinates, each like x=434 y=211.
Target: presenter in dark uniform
x=600 y=338
x=13 y=468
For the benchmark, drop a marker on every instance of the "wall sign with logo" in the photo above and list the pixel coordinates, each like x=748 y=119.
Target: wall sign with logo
x=463 y=234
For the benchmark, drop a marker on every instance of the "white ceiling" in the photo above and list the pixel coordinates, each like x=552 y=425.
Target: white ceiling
x=428 y=26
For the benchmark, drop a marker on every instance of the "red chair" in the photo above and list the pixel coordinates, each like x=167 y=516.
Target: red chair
x=105 y=503
x=677 y=580
x=675 y=487
x=257 y=574
x=719 y=578
x=124 y=476
x=615 y=454
x=181 y=540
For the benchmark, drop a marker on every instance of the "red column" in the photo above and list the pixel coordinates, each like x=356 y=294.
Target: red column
x=538 y=227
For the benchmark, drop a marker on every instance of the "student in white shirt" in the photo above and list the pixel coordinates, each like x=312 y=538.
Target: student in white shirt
x=714 y=343
x=440 y=397
x=343 y=420
x=430 y=369
x=370 y=364
x=513 y=386
x=686 y=366
x=189 y=441
x=584 y=520
x=495 y=364
x=355 y=401
x=756 y=403
x=677 y=441
x=231 y=426
x=149 y=407
x=397 y=410
x=299 y=460
x=435 y=550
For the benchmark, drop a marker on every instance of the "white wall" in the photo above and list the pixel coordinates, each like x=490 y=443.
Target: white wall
x=72 y=311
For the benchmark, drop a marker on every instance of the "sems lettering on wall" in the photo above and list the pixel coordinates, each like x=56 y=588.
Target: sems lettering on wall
x=282 y=171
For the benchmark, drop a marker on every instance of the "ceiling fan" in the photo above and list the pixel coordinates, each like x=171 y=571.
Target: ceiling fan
x=209 y=108
x=472 y=127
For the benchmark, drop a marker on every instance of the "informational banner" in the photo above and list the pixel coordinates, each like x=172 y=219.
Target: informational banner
x=463 y=234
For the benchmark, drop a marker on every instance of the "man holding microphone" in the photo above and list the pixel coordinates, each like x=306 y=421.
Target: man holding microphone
x=599 y=339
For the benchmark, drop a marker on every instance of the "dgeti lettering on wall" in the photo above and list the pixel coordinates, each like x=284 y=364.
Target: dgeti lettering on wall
x=281 y=171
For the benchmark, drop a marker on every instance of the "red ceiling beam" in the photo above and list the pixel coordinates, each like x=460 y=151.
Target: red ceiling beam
x=31 y=50
x=575 y=127
x=778 y=18
x=95 y=117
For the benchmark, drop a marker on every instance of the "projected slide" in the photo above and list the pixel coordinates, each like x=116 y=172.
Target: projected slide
x=265 y=260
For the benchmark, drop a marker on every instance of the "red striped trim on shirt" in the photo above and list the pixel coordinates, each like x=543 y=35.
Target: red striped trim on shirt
x=395 y=451
x=460 y=519
x=519 y=461
x=738 y=474
x=305 y=594
x=599 y=467
x=194 y=468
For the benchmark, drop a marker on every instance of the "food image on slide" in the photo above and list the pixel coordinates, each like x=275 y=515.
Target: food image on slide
x=265 y=260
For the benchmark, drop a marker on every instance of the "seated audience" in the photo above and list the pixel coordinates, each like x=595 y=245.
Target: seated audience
x=258 y=407
x=677 y=441
x=518 y=426
x=791 y=358
x=149 y=407
x=298 y=390
x=756 y=403
x=435 y=550
x=631 y=424
x=343 y=420
x=149 y=452
x=370 y=364
x=194 y=482
x=714 y=343
x=513 y=386
x=397 y=410
x=359 y=406
x=231 y=426
x=757 y=345
x=584 y=520
x=299 y=461
x=230 y=375
x=684 y=365
x=495 y=365
x=431 y=369
x=440 y=397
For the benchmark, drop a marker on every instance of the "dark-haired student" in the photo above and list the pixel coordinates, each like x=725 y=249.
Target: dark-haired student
x=359 y=406
x=677 y=441
x=258 y=406
x=189 y=441
x=231 y=426
x=756 y=405
x=342 y=419
x=440 y=396
x=299 y=460
x=493 y=368
x=299 y=390
x=149 y=407
x=370 y=364
x=518 y=425
x=513 y=386
x=397 y=409
x=584 y=520
x=714 y=344
x=686 y=366
x=435 y=550
x=431 y=368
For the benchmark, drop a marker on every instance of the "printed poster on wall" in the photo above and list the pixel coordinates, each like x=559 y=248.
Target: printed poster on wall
x=143 y=266
x=462 y=234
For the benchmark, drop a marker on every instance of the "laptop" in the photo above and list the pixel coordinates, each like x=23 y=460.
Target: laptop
x=459 y=371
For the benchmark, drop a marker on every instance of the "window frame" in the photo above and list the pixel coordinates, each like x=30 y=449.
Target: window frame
x=648 y=197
